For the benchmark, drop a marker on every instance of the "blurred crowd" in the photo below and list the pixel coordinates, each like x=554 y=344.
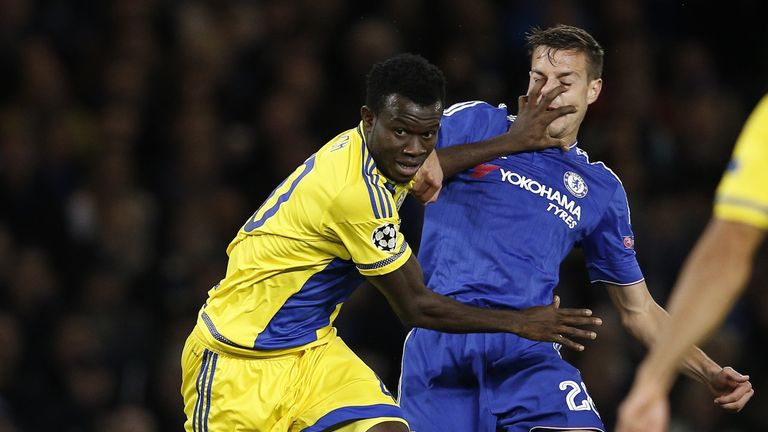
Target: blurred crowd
x=136 y=136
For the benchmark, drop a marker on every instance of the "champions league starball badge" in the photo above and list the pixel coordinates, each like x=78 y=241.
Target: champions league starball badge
x=385 y=237
x=575 y=184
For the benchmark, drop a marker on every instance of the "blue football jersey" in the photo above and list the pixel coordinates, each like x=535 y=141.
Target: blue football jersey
x=499 y=232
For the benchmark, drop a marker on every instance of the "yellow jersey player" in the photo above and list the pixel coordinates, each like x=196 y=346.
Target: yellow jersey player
x=714 y=275
x=264 y=355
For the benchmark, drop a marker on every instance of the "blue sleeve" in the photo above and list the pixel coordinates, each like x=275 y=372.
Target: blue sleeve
x=610 y=248
x=473 y=121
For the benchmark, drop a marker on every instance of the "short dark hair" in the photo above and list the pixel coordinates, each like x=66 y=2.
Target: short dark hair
x=565 y=37
x=409 y=75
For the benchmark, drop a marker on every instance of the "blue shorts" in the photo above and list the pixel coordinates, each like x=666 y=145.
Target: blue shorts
x=490 y=382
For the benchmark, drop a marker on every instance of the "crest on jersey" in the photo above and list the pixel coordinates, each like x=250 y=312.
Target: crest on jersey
x=385 y=237
x=575 y=184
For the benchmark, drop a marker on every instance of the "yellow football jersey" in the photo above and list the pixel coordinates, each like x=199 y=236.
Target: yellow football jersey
x=302 y=253
x=743 y=192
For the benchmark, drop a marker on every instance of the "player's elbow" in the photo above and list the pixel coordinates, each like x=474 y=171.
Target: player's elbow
x=640 y=325
x=421 y=311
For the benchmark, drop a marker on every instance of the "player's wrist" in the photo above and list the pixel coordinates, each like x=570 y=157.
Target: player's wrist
x=514 y=141
x=652 y=376
x=515 y=322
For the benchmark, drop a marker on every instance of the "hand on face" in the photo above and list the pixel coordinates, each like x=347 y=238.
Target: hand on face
x=554 y=68
x=534 y=117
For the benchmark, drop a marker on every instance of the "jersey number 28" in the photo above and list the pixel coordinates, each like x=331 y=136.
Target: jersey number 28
x=570 y=398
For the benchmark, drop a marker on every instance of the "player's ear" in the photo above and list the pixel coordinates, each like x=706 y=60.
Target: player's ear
x=595 y=86
x=367 y=115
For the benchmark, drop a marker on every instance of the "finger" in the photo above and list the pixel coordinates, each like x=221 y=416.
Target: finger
x=522 y=102
x=736 y=405
x=421 y=193
x=580 y=321
x=433 y=194
x=554 y=114
x=576 y=332
x=549 y=142
x=732 y=374
x=564 y=341
x=556 y=302
x=419 y=187
x=732 y=408
x=575 y=312
x=433 y=198
x=535 y=90
x=549 y=96
x=734 y=395
x=738 y=378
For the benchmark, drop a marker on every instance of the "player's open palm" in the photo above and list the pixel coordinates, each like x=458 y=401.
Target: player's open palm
x=732 y=389
x=551 y=323
x=534 y=116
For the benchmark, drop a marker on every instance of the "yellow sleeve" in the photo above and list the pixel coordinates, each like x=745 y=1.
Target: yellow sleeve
x=743 y=192
x=369 y=227
x=377 y=246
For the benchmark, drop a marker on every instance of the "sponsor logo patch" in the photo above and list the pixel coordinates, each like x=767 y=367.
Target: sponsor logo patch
x=483 y=170
x=560 y=205
x=385 y=237
x=575 y=184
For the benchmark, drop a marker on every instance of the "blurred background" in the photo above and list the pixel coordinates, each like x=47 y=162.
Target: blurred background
x=136 y=136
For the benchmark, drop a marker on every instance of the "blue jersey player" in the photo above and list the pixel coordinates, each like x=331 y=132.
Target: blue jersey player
x=264 y=354
x=496 y=237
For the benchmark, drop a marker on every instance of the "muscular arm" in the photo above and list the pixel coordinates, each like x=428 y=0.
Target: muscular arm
x=713 y=277
x=645 y=319
x=418 y=306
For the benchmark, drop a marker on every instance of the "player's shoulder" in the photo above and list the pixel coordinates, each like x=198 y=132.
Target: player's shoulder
x=355 y=187
x=471 y=121
x=475 y=107
x=341 y=158
x=595 y=168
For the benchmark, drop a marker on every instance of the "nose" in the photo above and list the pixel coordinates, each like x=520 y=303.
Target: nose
x=548 y=86
x=414 y=146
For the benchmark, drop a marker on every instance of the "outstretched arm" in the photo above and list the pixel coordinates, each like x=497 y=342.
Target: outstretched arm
x=644 y=319
x=712 y=278
x=527 y=132
x=418 y=306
